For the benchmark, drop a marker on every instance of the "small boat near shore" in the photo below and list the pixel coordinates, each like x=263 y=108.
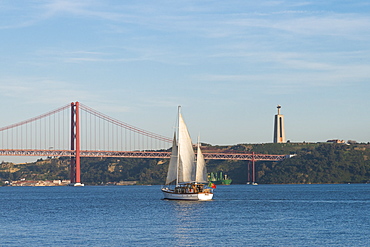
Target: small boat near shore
x=187 y=173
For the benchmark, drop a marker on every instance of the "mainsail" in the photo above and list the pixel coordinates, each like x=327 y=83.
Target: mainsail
x=183 y=167
x=186 y=172
x=186 y=154
x=172 y=168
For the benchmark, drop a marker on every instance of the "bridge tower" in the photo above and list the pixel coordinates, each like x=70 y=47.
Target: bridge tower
x=75 y=174
x=279 y=131
x=251 y=171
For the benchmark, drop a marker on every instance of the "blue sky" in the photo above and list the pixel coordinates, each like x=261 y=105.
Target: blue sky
x=227 y=63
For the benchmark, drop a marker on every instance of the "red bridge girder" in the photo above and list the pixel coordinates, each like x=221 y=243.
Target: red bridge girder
x=140 y=154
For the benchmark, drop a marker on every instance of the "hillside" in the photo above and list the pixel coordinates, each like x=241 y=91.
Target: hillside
x=313 y=163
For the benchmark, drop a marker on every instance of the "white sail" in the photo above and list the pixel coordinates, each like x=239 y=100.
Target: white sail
x=172 y=167
x=201 y=175
x=186 y=154
x=182 y=169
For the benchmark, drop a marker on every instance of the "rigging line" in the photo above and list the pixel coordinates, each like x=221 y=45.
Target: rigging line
x=87 y=131
x=49 y=133
x=19 y=141
x=54 y=130
x=29 y=137
x=11 y=138
x=34 y=142
x=40 y=135
x=45 y=129
x=95 y=137
x=22 y=138
x=61 y=140
x=103 y=136
x=60 y=127
x=91 y=133
x=99 y=132
x=34 y=118
x=125 y=125
x=31 y=134
x=83 y=131
x=113 y=139
x=26 y=135
x=108 y=136
x=43 y=134
x=114 y=142
x=15 y=139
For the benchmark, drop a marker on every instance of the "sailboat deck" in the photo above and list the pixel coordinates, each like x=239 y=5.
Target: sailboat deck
x=189 y=191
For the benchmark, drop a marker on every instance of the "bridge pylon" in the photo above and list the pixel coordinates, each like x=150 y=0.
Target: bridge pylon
x=251 y=170
x=75 y=167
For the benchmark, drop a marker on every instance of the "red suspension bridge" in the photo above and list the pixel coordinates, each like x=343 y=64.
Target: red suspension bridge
x=76 y=130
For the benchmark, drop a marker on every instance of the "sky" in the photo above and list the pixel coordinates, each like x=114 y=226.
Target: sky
x=227 y=63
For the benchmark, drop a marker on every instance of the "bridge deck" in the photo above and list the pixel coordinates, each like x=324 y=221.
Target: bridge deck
x=139 y=154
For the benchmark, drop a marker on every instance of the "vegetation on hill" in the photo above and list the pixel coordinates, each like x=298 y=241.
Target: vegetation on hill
x=324 y=163
x=313 y=163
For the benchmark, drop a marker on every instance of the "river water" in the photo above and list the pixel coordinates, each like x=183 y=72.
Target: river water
x=239 y=215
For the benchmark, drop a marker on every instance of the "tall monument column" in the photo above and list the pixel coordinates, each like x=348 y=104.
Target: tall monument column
x=279 y=132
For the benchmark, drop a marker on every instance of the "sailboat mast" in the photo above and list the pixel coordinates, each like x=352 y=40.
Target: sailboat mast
x=198 y=160
x=178 y=144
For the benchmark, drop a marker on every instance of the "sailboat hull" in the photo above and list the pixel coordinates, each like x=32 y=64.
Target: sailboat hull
x=200 y=196
x=187 y=170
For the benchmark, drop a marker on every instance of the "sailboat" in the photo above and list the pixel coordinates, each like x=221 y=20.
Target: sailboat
x=187 y=173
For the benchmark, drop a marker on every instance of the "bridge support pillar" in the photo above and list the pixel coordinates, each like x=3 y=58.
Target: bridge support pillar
x=251 y=170
x=75 y=169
